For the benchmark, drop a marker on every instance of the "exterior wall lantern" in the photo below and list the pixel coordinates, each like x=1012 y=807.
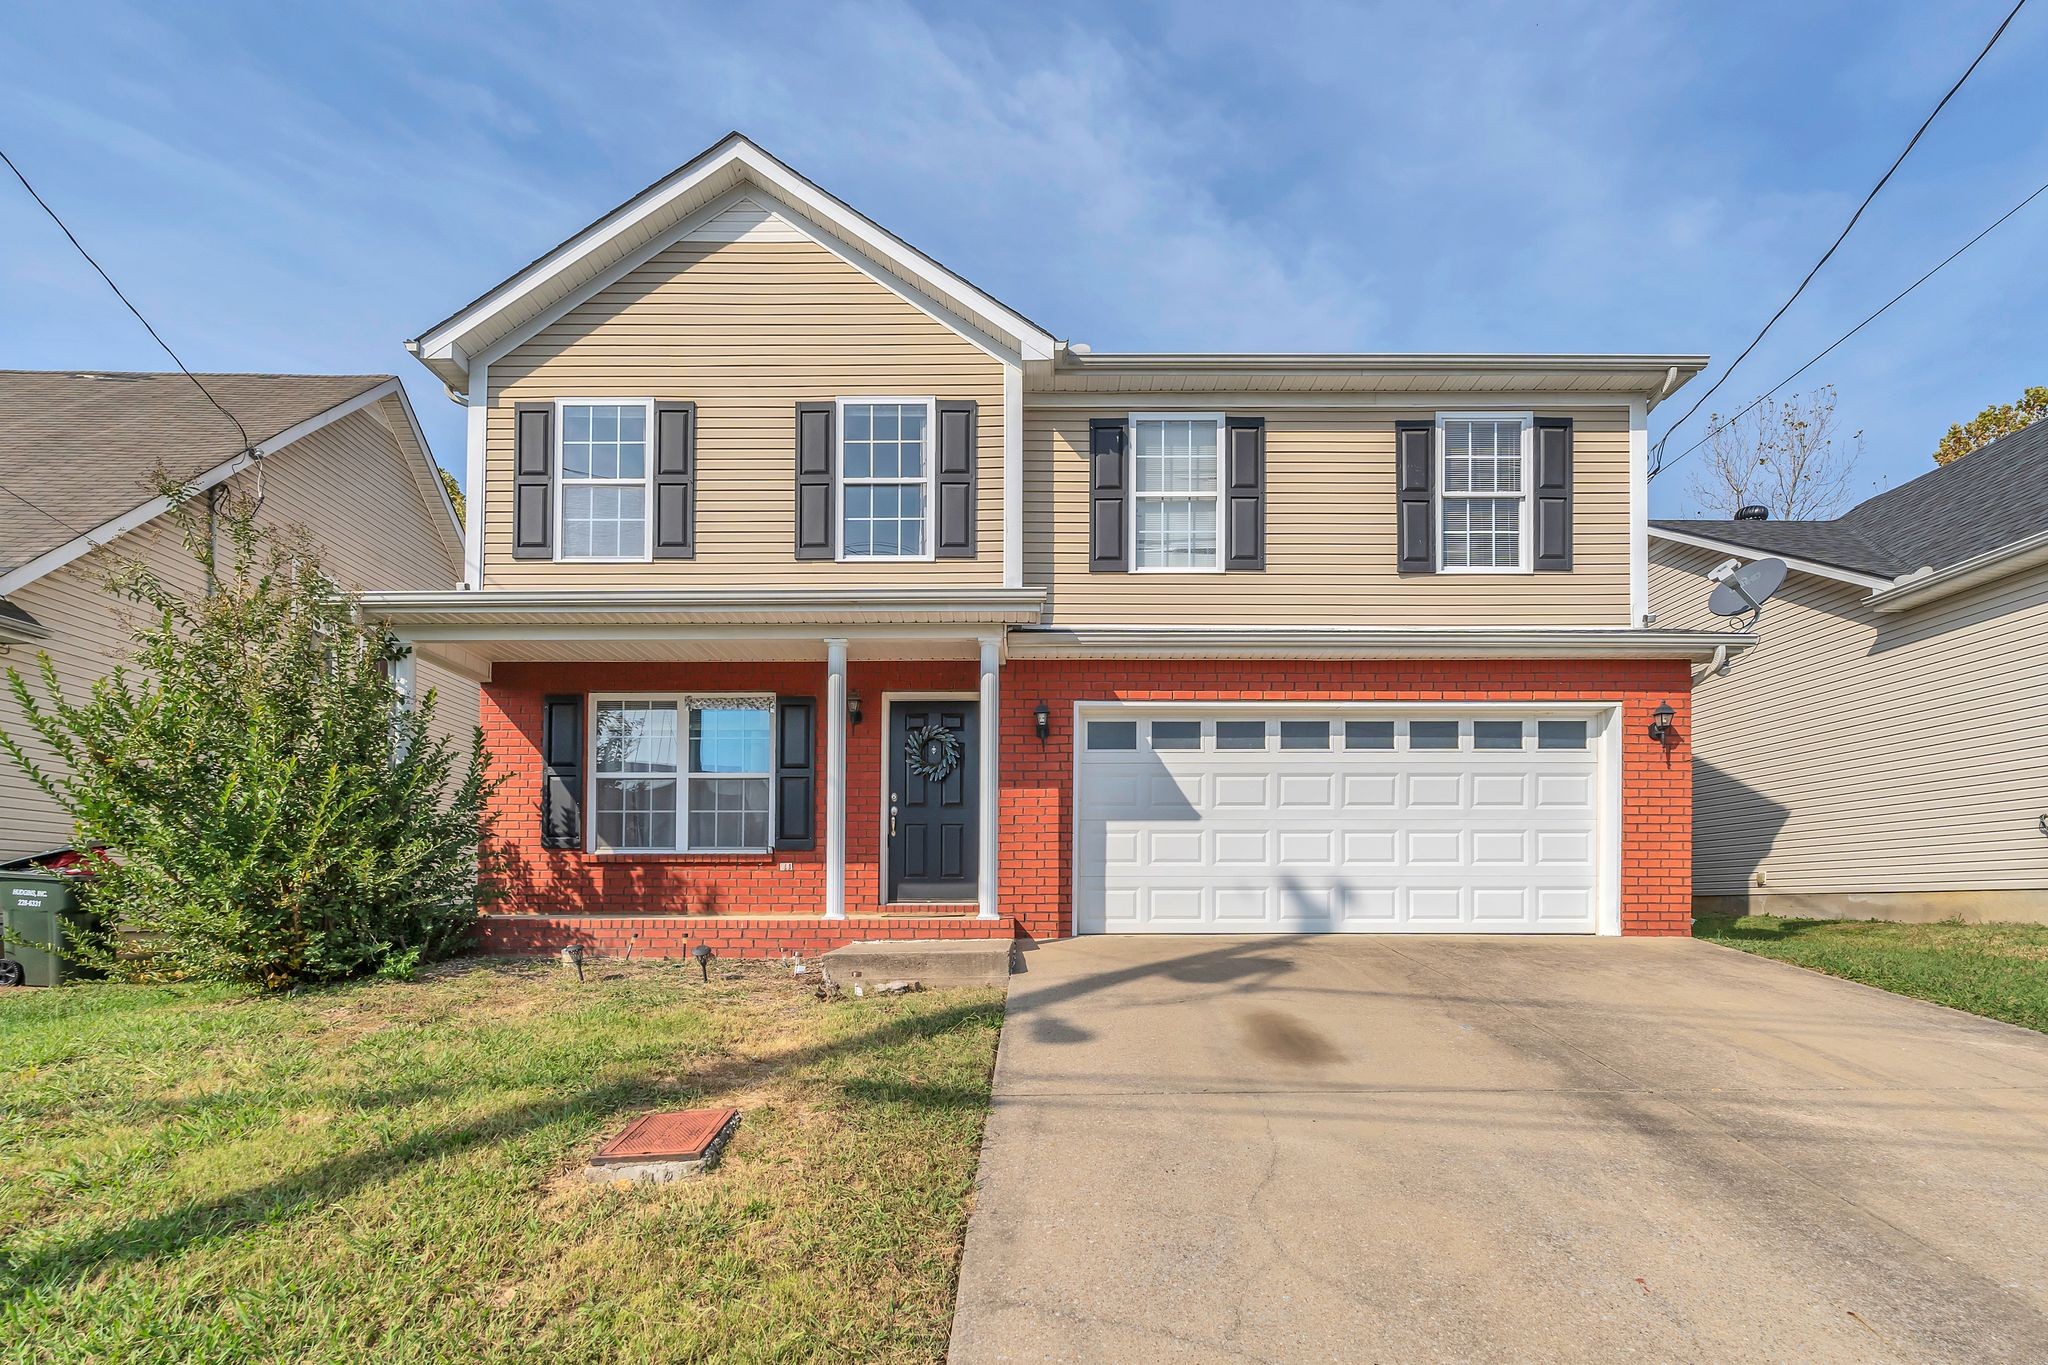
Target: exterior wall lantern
x=1660 y=721
x=1041 y=721
x=853 y=708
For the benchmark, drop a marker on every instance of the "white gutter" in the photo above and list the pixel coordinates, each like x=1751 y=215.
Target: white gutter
x=1927 y=585
x=1347 y=642
x=993 y=605
x=1379 y=361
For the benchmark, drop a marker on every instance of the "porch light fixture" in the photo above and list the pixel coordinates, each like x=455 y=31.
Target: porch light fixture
x=1041 y=721
x=1660 y=721
x=853 y=708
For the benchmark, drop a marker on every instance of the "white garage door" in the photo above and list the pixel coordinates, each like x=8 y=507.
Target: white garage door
x=1347 y=820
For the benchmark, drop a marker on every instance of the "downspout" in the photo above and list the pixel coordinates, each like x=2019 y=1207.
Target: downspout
x=1718 y=668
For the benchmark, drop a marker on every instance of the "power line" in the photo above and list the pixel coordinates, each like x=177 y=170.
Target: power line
x=1766 y=394
x=247 y=444
x=1910 y=144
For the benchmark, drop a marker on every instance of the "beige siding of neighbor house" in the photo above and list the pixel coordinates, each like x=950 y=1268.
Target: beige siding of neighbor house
x=1870 y=764
x=746 y=330
x=347 y=483
x=1330 y=532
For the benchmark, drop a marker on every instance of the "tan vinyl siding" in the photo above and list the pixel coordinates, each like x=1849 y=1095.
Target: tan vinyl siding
x=346 y=483
x=745 y=330
x=1859 y=752
x=1330 y=534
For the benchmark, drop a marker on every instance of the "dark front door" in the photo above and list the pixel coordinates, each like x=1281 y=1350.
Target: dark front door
x=932 y=786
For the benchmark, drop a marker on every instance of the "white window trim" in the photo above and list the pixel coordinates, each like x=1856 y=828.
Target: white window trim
x=1526 y=562
x=931 y=464
x=1131 y=516
x=682 y=776
x=646 y=481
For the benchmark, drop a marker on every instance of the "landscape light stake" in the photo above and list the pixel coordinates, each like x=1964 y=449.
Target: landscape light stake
x=572 y=956
x=702 y=953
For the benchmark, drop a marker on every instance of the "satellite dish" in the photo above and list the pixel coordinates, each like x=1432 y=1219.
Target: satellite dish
x=1744 y=592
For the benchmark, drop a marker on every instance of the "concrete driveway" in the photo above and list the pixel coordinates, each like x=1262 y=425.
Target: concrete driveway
x=1380 y=1149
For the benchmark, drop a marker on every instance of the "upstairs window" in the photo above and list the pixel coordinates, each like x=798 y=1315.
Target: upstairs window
x=1174 y=497
x=885 y=478
x=1484 y=493
x=603 y=459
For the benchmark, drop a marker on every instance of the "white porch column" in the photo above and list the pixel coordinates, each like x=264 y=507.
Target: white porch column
x=835 y=779
x=991 y=751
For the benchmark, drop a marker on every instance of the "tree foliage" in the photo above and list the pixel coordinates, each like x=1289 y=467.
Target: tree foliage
x=2000 y=419
x=271 y=812
x=1788 y=456
x=454 y=491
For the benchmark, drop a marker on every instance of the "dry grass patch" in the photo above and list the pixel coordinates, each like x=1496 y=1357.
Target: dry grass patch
x=380 y=1170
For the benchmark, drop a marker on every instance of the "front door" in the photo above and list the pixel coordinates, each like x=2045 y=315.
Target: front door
x=932 y=793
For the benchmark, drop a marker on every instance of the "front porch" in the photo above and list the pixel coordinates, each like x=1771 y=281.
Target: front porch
x=823 y=831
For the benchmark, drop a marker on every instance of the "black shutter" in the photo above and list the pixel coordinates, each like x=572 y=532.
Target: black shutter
x=675 y=480
x=1108 y=495
x=561 y=756
x=954 y=535
x=533 y=458
x=1414 y=494
x=1553 y=489
x=796 y=747
x=1244 y=492
x=815 y=533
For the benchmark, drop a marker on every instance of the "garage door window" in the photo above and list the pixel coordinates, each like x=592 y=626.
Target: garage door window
x=1112 y=734
x=1176 y=734
x=1304 y=734
x=1368 y=734
x=1432 y=734
x=1496 y=734
x=1240 y=734
x=1560 y=734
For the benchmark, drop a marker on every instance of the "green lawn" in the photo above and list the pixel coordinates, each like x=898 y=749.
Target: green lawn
x=1998 y=970
x=387 y=1171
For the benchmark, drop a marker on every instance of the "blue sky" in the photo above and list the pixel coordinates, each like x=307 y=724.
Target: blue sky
x=286 y=187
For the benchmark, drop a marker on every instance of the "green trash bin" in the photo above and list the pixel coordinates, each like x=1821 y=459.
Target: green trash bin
x=39 y=908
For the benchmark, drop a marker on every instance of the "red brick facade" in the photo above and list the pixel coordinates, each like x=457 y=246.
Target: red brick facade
x=762 y=905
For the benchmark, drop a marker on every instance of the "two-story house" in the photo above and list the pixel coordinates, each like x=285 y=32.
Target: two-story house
x=819 y=596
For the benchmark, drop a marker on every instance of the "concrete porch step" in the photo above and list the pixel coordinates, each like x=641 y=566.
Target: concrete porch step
x=935 y=963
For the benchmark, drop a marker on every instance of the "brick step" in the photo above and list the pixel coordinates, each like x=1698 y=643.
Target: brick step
x=933 y=963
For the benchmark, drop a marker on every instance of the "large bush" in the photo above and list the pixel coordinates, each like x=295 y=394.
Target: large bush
x=271 y=812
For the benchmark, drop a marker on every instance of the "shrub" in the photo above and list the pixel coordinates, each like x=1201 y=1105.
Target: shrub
x=272 y=812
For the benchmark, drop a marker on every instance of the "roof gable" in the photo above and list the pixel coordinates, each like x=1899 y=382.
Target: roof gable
x=732 y=186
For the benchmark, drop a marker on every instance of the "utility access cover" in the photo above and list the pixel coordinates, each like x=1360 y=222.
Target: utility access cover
x=678 y=1135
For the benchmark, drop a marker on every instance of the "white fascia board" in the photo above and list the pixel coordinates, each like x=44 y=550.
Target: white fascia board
x=52 y=560
x=1930 y=586
x=1342 y=642
x=995 y=606
x=763 y=170
x=1752 y=553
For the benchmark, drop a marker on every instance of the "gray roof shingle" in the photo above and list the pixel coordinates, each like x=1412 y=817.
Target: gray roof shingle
x=1988 y=499
x=85 y=447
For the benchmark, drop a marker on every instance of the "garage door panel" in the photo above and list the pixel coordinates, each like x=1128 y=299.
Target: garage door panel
x=1195 y=839
x=1371 y=791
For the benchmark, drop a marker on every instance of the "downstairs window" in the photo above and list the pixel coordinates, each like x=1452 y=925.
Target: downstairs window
x=682 y=774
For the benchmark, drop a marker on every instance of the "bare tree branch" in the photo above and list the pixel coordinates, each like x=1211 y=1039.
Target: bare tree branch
x=1787 y=456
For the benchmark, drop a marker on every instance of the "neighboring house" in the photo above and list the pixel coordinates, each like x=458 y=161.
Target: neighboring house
x=820 y=596
x=1884 y=752
x=340 y=455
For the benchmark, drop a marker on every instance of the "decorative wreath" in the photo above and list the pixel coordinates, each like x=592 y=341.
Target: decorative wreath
x=933 y=752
